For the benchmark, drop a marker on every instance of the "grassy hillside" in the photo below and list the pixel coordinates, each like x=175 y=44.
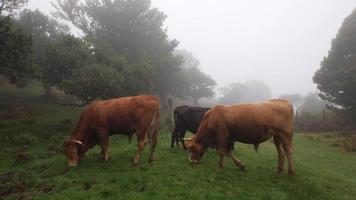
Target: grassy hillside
x=32 y=165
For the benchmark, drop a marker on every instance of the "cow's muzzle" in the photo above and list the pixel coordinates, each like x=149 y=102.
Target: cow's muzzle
x=192 y=160
x=72 y=164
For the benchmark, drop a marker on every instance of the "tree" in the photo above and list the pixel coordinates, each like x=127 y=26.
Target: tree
x=15 y=46
x=312 y=103
x=295 y=99
x=9 y=6
x=336 y=78
x=257 y=91
x=64 y=55
x=42 y=30
x=15 y=51
x=191 y=81
x=93 y=82
x=130 y=29
x=251 y=91
x=234 y=93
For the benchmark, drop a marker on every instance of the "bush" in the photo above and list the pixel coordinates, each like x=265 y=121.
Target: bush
x=24 y=139
x=349 y=143
x=65 y=125
x=326 y=121
x=13 y=111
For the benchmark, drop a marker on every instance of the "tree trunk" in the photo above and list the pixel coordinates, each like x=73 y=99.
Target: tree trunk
x=164 y=103
x=195 y=101
x=47 y=91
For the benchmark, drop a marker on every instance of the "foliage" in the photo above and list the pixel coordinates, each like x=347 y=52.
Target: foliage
x=336 y=78
x=65 y=54
x=93 y=82
x=191 y=81
x=251 y=91
x=42 y=29
x=10 y=6
x=45 y=174
x=312 y=103
x=322 y=121
x=130 y=29
x=295 y=99
x=15 y=50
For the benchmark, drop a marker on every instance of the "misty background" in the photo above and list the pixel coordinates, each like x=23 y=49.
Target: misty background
x=278 y=42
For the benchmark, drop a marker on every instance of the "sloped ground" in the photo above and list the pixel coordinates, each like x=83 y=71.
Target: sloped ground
x=32 y=165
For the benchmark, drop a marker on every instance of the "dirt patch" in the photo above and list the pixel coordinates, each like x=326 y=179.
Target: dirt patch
x=21 y=155
x=9 y=183
x=45 y=188
x=89 y=184
x=16 y=111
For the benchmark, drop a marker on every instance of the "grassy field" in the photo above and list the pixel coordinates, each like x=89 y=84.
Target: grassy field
x=32 y=165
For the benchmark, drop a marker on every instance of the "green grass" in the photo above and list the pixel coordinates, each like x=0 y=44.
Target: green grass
x=323 y=171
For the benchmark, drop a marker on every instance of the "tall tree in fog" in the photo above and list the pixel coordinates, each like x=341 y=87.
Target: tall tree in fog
x=251 y=91
x=132 y=29
x=312 y=103
x=336 y=78
x=15 y=46
x=295 y=99
x=42 y=30
x=7 y=7
x=234 y=93
x=191 y=80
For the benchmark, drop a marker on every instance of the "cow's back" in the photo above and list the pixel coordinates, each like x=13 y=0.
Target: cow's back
x=188 y=118
x=254 y=123
x=122 y=114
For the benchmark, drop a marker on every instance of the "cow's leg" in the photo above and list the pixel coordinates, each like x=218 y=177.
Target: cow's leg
x=240 y=164
x=288 y=149
x=174 y=133
x=181 y=136
x=153 y=142
x=281 y=155
x=141 y=143
x=176 y=138
x=221 y=162
x=104 y=143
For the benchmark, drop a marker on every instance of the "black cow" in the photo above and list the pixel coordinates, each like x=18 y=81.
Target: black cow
x=186 y=118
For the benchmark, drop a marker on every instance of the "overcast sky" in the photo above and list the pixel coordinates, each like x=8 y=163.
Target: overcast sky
x=280 y=42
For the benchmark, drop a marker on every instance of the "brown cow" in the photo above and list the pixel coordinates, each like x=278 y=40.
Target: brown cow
x=127 y=115
x=246 y=123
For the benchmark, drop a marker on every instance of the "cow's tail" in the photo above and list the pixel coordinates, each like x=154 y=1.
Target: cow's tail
x=292 y=118
x=152 y=132
x=175 y=116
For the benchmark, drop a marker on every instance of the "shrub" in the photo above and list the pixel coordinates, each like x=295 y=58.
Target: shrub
x=326 y=121
x=24 y=139
x=349 y=143
x=13 y=111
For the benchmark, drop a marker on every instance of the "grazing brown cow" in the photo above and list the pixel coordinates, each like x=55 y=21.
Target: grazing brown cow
x=127 y=115
x=246 y=123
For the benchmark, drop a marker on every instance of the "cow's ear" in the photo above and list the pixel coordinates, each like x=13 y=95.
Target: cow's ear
x=65 y=143
x=188 y=142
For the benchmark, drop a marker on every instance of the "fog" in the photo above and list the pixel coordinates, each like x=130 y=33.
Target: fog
x=279 y=42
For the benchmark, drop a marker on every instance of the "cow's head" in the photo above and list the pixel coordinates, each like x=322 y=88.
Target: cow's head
x=196 y=150
x=74 y=151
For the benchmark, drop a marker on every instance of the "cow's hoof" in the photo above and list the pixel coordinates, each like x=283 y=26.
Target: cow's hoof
x=135 y=161
x=242 y=167
x=279 y=171
x=152 y=159
x=291 y=173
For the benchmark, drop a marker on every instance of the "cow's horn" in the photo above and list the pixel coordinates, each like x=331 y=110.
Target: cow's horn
x=77 y=142
x=187 y=139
